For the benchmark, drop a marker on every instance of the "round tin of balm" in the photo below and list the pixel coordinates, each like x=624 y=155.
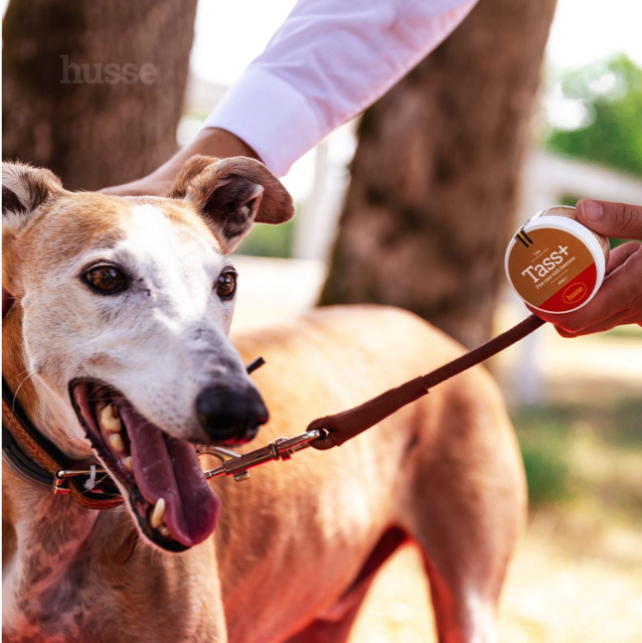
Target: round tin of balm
x=556 y=264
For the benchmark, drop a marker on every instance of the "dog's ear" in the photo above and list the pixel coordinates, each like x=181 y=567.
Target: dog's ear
x=24 y=189
x=232 y=194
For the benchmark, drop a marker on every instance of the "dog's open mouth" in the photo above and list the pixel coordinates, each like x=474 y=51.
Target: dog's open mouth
x=174 y=505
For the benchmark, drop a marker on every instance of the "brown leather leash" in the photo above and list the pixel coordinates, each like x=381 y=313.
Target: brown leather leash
x=344 y=426
x=334 y=430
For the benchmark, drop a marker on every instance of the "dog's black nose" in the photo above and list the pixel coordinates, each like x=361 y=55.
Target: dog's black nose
x=230 y=415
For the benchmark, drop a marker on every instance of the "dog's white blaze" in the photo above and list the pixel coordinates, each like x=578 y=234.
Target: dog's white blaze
x=162 y=340
x=174 y=260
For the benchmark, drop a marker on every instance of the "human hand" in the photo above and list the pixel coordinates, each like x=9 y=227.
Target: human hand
x=619 y=299
x=209 y=142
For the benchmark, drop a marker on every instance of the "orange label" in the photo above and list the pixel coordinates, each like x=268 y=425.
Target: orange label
x=544 y=266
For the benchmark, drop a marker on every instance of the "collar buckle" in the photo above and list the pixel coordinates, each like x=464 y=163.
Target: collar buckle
x=60 y=486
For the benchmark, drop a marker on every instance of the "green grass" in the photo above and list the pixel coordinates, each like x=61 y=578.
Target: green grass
x=587 y=453
x=631 y=331
x=547 y=471
x=269 y=241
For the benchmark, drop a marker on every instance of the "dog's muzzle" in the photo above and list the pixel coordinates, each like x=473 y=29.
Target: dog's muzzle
x=230 y=415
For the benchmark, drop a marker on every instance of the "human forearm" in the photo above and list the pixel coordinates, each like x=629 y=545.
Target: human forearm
x=329 y=61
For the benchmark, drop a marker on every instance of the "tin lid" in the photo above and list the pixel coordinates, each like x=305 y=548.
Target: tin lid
x=554 y=263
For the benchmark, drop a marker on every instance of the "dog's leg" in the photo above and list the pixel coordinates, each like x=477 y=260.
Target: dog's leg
x=462 y=615
x=335 y=631
x=335 y=624
x=465 y=568
x=466 y=509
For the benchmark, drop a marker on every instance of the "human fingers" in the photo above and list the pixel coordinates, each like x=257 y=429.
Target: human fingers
x=619 y=220
x=147 y=186
x=620 y=254
x=619 y=301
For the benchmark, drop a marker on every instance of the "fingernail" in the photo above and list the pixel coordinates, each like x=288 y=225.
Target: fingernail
x=592 y=211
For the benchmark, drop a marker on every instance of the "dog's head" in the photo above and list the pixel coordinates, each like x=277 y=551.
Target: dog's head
x=126 y=305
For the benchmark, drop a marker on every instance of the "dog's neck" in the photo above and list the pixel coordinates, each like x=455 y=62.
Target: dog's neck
x=64 y=565
x=42 y=537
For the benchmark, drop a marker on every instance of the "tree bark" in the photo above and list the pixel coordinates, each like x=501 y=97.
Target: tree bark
x=94 y=90
x=434 y=179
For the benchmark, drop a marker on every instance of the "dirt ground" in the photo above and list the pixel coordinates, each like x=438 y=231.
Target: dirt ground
x=552 y=595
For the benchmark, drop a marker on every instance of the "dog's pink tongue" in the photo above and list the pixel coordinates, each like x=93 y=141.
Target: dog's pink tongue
x=168 y=468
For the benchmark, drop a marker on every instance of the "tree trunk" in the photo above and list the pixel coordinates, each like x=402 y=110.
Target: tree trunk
x=434 y=180
x=93 y=89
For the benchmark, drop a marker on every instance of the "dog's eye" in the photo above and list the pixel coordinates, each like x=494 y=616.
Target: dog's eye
x=226 y=285
x=107 y=280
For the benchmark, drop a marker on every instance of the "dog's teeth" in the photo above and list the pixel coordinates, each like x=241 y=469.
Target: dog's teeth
x=116 y=443
x=109 y=419
x=158 y=514
x=164 y=531
x=128 y=463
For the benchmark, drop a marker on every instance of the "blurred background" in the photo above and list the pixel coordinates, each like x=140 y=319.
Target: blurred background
x=411 y=205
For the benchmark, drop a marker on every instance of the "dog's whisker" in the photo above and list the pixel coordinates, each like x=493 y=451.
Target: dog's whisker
x=15 y=393
x=97 y=392
x=99 y=388
x=26 y=370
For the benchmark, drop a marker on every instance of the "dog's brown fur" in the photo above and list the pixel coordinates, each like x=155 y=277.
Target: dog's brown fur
x=297 y=546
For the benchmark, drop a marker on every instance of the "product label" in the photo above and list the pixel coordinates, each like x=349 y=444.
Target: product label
x=552 y=269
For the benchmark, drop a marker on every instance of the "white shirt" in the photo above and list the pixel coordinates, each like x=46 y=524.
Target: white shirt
x=327 y=63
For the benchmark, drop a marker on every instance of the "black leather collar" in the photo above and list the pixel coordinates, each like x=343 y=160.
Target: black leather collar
x=21 y=464
x=102 y=494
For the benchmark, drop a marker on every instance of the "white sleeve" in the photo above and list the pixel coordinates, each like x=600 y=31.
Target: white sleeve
x=328 y=62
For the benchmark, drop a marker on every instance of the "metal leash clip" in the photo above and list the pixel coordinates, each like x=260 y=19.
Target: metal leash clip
x=234 y=464
x=237 y=465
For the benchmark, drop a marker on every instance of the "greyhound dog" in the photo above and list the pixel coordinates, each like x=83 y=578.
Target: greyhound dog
x=117 y=350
